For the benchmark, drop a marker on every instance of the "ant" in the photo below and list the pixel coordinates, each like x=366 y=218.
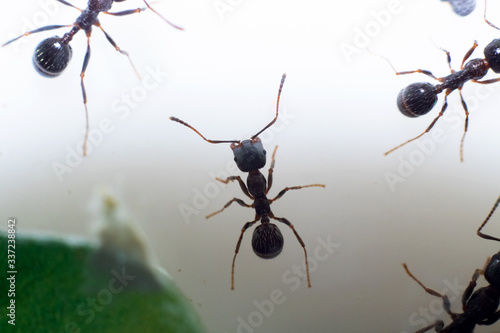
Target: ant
x=250 y=156
x=419 y=98
x=462 y=7
x=53 y=54
x=480 y=307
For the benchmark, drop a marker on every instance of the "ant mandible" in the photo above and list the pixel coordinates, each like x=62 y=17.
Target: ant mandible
x=53 y=54
x=250 y=156
x=419 y=98
x=479 y=307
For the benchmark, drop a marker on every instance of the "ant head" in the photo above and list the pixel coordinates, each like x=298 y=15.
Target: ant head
x=492 y=270
x=267 y=240
x=492 y=55
x=249 y=154
x=417 y=99
x=52 y=56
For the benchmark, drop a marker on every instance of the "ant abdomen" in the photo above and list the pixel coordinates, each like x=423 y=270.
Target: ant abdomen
x=492 y=55
x=267 y=241
x=52 y=56
x=417 y=99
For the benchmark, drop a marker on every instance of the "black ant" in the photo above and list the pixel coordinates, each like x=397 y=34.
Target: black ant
x=479 y=307
x=419 y=98
x=53 y=54
x=250 y=156
x=462 y=7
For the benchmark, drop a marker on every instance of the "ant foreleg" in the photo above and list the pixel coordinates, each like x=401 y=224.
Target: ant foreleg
x=286 y=189
x=270 y=173
x=285 y=221
x=112 y=42
x=446 y=301
x=239 y=201
x=126 y=12
x=468 y=54
x=240 y=181
x=245 y=227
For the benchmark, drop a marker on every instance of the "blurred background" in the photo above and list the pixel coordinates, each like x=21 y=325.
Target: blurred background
x=338 y=115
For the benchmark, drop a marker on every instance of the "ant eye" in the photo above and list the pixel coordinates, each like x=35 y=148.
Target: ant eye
x=492 y=55
x=51 y=57
x=264 y=151
x=417 y=99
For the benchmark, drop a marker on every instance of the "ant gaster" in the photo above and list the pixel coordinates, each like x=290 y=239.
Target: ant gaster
x=479 y=307
x=419 y=98
x=53 y=54
x=250 y=156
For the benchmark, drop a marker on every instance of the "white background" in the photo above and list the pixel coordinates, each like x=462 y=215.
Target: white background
x=224 y=73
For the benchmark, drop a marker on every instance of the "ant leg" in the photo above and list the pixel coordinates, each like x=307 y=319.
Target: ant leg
x=422 y=71
x=286 y=189
x=270 y=173
x=438 y=326
x=443 y=108
x=490 y=81
x=68 y=4
x=464 y=105
x=240 y=181
x=472 y=284
x=46 y=28
x=245 y=227
x=239 y=201
x=108 y=37
x=126 y=12
x=446 y=301
x=84 y=94
x=448 y=59
x=479 y=233
x=285 y=221
x=468 y=54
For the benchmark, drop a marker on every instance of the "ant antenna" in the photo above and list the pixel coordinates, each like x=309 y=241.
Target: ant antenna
x=207 y=140
x=486 y=20
x=479 y=233
x=164 y=19
x=277 y=106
